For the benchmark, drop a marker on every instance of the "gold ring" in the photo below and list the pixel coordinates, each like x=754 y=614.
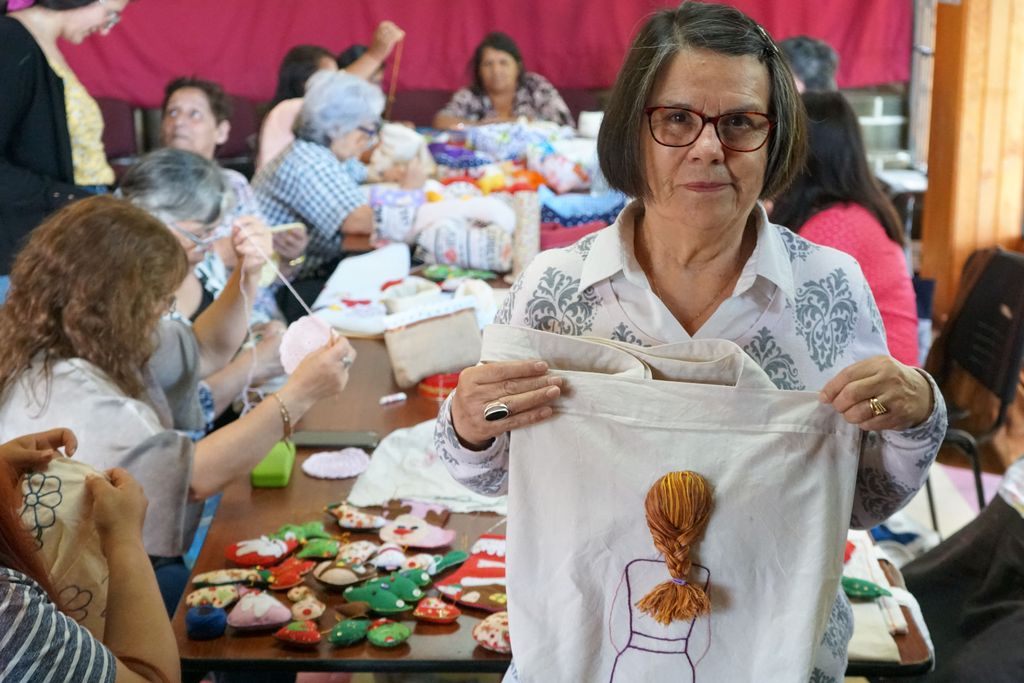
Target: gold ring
x=877 y=407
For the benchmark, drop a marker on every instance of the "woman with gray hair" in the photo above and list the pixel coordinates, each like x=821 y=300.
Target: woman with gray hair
x=316 y=179
x=189 y=195
x=703 y=122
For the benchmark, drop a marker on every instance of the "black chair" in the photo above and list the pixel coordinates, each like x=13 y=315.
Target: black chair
x=977 y=359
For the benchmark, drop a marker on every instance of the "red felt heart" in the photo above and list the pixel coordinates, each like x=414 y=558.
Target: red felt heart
x=303 y=633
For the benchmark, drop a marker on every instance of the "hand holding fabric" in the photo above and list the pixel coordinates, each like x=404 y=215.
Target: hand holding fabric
x=35 y=451
x=880 y=393
x=118 y=505
x=523 y=386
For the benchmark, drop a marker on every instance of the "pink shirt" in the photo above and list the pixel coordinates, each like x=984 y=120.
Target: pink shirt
x=855 y=230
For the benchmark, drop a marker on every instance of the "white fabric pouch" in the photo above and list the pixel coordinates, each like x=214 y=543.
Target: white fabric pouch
x=782 y=467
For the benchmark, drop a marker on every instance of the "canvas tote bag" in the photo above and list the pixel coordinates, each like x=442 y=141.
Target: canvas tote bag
x=580 y=556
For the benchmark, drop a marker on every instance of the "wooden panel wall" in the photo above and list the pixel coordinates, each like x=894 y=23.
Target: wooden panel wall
x=976 y=146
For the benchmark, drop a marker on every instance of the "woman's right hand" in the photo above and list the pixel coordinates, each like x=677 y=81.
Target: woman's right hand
x=524 y=386
x=118 y=505
x=323 y=373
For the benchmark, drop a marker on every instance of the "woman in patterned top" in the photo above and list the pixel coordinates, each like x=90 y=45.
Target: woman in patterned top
x=502 y=90
x=704 y=120
x=38 y=641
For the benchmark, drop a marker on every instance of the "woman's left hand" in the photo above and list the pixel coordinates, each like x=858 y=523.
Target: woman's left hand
x=251 y=240
x=864 y=389
x=33 y=451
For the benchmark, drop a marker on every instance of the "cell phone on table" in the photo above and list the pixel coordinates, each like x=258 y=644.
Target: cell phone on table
x=318 y=439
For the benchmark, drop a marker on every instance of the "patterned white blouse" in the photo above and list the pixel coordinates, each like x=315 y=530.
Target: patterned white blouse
x=802 y=311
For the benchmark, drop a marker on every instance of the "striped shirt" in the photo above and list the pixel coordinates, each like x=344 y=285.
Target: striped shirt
x=40 y=644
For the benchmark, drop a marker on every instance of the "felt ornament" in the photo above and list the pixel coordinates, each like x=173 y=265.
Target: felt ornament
x=300 y=593
x=348 y=632
x=319 y=549
x=338 y=574
x=357 y=552
x=205 y=622
x=389 y=557
x=302 y=532
x=262 y=551
x=350 y=517
x=353 y=610
x=863 y=589
x=214 y=596
x=401 y=586
x=222 y=577
x=348 y=462
x=258 y=610
x=411 y=531
x=419 y=577
x=435 y=564
x=303 y=337
x=424 y=561
x=308 y=608
x=299 y=633
x=678 y=507
x=387 y=633
x=287 y=574
x=492 y=633
x=435 y=611
x=480 y=581
x=382 y=601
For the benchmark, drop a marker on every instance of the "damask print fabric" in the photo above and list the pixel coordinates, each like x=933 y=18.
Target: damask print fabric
x=597 y=288
x=711 y=409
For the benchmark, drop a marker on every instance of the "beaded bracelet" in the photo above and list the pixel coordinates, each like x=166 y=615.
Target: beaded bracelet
x=286 y=418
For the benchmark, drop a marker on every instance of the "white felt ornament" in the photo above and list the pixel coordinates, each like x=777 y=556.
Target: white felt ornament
x=303 y=337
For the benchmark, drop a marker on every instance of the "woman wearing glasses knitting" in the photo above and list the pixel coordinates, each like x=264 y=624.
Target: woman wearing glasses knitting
x=316 y=180
x=51 y=147
x=703 y=122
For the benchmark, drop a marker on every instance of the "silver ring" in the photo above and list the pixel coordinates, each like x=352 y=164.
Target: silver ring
x=347 y=361
x=496 y=411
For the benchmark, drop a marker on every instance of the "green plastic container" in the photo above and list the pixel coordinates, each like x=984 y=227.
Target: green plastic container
x=275 y=470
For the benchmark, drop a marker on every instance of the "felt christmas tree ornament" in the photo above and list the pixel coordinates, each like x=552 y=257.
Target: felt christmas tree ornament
x=214 y=596
x=308 y=608
x=319 y=549
x=263 y=551
x=258 y=610
x=299 y=634
x=205 y=622
x=435 y=611
x=492 y=633
x=353 y=518
x=348 y=632
x=302 y=532
x=338 y=574
x=382 y=601
x=387 y=633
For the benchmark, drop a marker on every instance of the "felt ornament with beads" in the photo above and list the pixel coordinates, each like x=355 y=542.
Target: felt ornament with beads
x=480 y=581
x=389 y=557
x=300 y=593
x=302 y=633
x=223 y=577
x=338 y=574
x=258 y=610
x=302 y=532
x=435 y=611
x=287 y=574
x=415 y=524
x=308 y=608
x=263 y=551
x=214 y=596
x=319 y=549
x=381 y=599
x=402 y=586
x=357 y=552
x=863 y=589
x=492 y=633
x=387 y=633
x=348 y=632
x=351 y=517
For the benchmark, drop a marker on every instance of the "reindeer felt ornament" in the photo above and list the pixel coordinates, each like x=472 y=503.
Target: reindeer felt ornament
x=678 y=507
x=418 y=525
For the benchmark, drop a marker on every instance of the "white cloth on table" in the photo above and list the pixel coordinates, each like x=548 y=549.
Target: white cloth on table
x=782 y=466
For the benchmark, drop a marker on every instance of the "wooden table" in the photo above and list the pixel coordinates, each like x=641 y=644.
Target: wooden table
x=245 y=512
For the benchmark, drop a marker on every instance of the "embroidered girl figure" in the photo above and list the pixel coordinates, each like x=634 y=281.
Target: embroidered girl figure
x=678 y=507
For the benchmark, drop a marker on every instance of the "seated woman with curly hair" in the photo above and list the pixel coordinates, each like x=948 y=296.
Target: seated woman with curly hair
x=82 y=330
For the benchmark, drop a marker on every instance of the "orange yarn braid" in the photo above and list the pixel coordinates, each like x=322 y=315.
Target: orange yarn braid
x=678 y=507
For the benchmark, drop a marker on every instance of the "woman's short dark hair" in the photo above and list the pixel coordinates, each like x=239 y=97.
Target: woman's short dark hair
x=301 y=62
x=496 y=40
x=719 y=29
x=349 y=55
x=220 y=103
x=837 y=169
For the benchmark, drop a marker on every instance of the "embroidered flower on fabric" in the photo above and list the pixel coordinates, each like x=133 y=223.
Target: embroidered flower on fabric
x=42 y=498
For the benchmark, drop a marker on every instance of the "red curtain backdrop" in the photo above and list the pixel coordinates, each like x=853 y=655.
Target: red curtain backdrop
x=576 y=44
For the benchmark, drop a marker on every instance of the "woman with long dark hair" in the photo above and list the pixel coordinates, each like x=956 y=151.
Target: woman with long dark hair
x=836 y=202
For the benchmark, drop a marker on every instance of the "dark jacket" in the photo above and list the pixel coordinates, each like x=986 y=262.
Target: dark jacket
x=36 y=173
